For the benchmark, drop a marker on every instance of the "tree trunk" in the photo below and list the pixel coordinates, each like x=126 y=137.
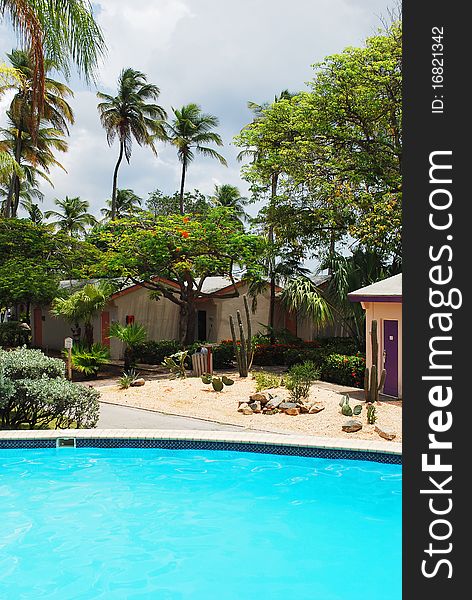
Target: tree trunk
x=115 y=179
x=12 y=201
x=182 y=187
x=187 y=323
x=88 y=335
x=271 y=238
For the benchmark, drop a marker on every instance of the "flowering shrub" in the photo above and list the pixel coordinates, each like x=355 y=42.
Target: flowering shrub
x=343 y=369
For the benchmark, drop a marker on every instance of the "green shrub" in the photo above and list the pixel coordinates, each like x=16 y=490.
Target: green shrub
x=13 y=333
x=295 y=356
x=340 y=345
x=25 y=363
x=223 y=355
x=89 y=360
x=283 y=354
x=344 y=370
x=299 y=380
x=34 y=393
x=266 y=381
x=153 y=352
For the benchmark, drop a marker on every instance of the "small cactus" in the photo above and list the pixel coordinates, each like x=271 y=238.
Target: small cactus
x=217 y=382
x=372 y=386
x=346 y=409
x=371 y=416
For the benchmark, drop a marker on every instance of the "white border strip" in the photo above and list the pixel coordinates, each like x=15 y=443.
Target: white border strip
x=209 y=436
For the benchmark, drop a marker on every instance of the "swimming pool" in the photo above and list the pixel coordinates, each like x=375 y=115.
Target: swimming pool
x=150 y=523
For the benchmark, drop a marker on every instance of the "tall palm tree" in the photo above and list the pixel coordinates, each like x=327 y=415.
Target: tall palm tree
x=230 y=196
x=72 y=217
x=37 y=158
x=131 y=114
x=127 y=203
x=56 y=111
x=189 y=131
x=34 y=212
x=63 y=31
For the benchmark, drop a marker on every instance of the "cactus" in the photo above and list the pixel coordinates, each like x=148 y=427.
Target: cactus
x=371 y=416
x=346 y=409
x=244 y=352
x=372 y=386
x=216 y=382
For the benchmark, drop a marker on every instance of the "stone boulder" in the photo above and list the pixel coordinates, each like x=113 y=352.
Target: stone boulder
x=316 y=407
x=386 y=434
x=245 y=409
x=292 y=411
x=137 y=382
x=260 y=397
x=255 y=406
x=352 y=426
x=274 y=402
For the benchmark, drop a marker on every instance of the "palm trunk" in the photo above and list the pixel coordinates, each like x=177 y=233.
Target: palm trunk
x=182 y=187
x=115 y=179
x=13 y=198
x=271 y=238
x=88 y=334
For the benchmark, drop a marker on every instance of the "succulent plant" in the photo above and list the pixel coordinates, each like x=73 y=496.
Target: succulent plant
x=346 y=409
x=217 y=383
x=372 y=385
x=243 y=351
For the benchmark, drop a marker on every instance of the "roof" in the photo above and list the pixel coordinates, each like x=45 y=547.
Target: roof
x=386 y=290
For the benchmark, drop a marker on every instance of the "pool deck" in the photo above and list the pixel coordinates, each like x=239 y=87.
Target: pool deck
x=209 y=436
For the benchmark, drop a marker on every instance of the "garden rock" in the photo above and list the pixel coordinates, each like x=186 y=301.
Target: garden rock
x=255 y=406
x=292 y=411
x=286 y=405
x=259 y=397
x=316 y=408
x=245 y=409
x=137 y=382
x=274 y=402
x=352 y=426
x=386 y=434
x=270 y=411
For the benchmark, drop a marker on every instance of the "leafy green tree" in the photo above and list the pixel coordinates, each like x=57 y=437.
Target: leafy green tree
x=344 y=164
x=161 y=205
x=72 y=217
x=172 y=256
x=131 y=114
x=64 y=32
x=127 y=203
x=33 y=260
x=83 y=306
x=190 y=131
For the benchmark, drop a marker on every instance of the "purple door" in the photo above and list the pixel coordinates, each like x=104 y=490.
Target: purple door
x=391 y=357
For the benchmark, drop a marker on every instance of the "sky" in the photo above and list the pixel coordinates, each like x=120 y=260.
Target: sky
x=216 y=53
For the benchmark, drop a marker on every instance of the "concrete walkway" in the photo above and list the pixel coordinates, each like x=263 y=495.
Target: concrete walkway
x=113 y=416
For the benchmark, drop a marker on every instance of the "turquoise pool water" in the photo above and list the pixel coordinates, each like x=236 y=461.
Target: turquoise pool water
x=113 y=524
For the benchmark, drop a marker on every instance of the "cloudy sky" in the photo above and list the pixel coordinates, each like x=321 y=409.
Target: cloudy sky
x=217 y=53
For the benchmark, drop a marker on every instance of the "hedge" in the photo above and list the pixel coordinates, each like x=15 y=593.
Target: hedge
x=344 y=370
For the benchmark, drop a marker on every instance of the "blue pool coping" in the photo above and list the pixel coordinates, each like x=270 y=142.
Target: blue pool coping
x=307 y=446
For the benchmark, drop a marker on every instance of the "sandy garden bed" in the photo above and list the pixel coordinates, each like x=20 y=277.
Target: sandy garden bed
x=191 y=398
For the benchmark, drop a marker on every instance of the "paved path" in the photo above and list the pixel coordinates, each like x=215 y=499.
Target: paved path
x=113 y=416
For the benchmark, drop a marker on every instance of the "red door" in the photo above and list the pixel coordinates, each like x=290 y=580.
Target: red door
x=105 y=327
x=38 y=327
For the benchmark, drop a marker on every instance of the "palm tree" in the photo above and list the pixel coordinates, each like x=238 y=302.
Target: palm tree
x=64 y=32
x=83 y=305
x=127 y=203
x=131 y=335
x=131 y=115
x=72 y=216
x=37 y=158
x=56 y=111
x=190 y=130
x=230 y=196
x=34 y=212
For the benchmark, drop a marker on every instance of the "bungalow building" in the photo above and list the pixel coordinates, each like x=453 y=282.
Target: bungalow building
x=382 y=301
x=161 y=317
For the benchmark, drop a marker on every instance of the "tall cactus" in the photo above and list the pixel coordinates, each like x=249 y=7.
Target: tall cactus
x=243 y=351
x=372 y=385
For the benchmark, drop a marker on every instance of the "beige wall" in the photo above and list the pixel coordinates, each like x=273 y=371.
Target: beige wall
x=381 y=311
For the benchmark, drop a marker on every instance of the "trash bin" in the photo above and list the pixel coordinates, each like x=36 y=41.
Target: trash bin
x=202 y=362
